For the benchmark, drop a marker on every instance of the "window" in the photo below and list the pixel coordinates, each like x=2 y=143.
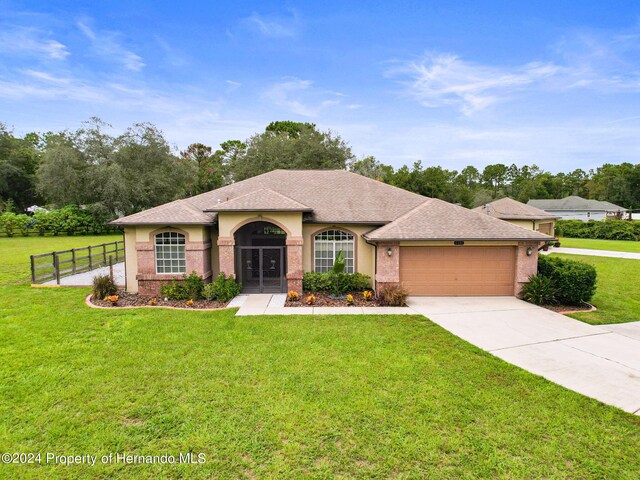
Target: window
x=326 y=246
x=170 y=256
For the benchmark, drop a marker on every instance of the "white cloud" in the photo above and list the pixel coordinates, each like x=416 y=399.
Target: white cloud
x=299 y=97
x=108 y=45
x=437 y=80
x=31 y=41
x=274 y=26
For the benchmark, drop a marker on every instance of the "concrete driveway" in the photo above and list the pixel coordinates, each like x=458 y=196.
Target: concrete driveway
x=602 y=362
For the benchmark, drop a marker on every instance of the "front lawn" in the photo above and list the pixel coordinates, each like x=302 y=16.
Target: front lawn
x=593 y=244
x=281 y=397
x=617 y=296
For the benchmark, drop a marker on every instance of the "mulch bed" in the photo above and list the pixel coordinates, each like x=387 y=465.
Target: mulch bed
x=324 y=299
x=134 y=300
x=570 y=308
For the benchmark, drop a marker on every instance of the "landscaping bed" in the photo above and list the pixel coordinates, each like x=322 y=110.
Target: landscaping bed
x=326 y=299
x=134 y=300
x=570 y=308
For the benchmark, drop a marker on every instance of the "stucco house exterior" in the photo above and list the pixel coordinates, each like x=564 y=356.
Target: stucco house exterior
x=270 y=229
x=520 y=214
x=578 y=208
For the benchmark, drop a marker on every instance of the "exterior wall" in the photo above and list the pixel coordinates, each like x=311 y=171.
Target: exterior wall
x=215 y=260
x=525 y=265
x=388 y=266
x=197 y=254
x=528 y=224
x=365 y=253
x=578 y=215
x=130 y=259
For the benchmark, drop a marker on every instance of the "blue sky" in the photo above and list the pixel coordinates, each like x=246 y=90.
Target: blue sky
x=449 y=83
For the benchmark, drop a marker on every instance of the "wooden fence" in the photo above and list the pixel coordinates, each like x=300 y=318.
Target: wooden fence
x=55 y=265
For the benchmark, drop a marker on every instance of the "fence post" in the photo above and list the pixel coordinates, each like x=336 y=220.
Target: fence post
x=104 y=253
x=33 y=269
x=117 y=252
x=90 y=259
x=73 y=260
x=111 y=267
x=56 y=267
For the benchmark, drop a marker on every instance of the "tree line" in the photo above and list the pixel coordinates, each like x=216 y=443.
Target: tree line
x=138 y=169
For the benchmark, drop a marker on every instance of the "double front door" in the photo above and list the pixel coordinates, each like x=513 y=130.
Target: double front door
x=261 y=269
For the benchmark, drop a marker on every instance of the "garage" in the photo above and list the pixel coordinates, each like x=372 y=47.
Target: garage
x=458 y=271
x=546 y=227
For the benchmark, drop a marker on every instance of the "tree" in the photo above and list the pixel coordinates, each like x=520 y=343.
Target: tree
x=290 y=145
x=19 y=159
x=370 y=167
x=494 y=177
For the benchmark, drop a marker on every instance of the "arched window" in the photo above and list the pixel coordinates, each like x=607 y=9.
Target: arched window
x=326 y=246
x=170 y=256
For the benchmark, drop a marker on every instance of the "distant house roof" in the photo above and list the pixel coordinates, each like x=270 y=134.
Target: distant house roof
x=510 y=209
x=438 y=220
x=261 y=200
x=575 y=203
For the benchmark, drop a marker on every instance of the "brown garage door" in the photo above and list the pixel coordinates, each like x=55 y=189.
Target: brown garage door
x=458 y=271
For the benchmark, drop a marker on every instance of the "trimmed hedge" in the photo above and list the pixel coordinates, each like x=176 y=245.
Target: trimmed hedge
x=338 y=283
x=574 y=281
x=604 y=230
x=70 y=220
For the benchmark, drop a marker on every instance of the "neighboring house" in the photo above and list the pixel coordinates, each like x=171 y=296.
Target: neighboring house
x=270 y=229
x=520 y=214
x=578 y=208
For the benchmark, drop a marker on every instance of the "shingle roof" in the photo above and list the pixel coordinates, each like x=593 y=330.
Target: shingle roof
x=510 y=209
x=575 y=203
x=261 y=200
x=438 y=220
x=178 y=212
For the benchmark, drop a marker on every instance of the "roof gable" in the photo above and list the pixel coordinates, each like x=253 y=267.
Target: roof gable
x=261 y=200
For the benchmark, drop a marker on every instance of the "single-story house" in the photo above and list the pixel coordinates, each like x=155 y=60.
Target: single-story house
x=578 y=208
x=270 y=229
x=520 y=214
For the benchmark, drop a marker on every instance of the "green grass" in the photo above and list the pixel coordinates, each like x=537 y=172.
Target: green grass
x=280 y=397
x=617 y=296
x=615 y=245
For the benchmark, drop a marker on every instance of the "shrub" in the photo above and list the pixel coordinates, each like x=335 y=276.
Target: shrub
x=174 y=290
x=574 y=281
x=393 y=295
x=9 y=222
x=103 y=287
x=337 y=283
x=349 y=299
x=311 y=299
x=367 y=295
x=339 y=263
x=604 y=230
x=539 y=291
x=222 y=289
x=315 y=282
x=194 y=285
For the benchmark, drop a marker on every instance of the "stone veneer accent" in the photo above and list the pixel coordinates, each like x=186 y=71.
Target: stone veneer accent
x=226 y=257
x=294 y=264
x=197 y=256
x=387 y=267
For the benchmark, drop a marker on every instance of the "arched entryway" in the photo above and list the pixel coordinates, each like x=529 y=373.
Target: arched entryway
x=261 y=256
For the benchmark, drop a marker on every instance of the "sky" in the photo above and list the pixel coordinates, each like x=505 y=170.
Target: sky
x=460 y=83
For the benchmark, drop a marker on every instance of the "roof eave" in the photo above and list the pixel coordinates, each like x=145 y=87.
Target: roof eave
x=143 y=224
x=239 y=210
x=464 y=239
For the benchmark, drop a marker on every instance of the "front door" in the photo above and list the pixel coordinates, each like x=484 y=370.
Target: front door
x=261 y=269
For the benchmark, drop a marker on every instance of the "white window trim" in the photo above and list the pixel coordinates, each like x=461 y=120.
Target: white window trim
x=178 y=258
x=335 y=251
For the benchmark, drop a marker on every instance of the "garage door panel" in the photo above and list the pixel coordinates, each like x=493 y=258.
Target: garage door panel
x=458 y=271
